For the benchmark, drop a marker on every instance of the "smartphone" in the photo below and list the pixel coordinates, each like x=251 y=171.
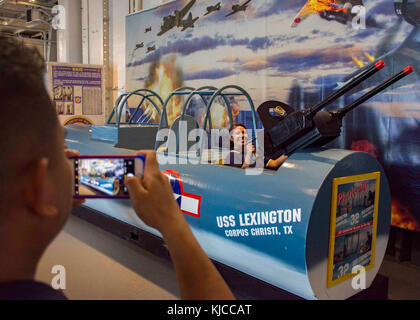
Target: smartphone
x=103 y=177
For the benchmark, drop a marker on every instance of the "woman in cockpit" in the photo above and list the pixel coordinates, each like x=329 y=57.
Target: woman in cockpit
x=242 y=152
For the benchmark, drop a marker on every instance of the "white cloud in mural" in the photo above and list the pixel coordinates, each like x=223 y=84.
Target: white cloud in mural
x=263 y=45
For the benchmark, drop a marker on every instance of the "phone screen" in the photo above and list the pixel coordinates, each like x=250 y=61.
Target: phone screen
x=102 y=177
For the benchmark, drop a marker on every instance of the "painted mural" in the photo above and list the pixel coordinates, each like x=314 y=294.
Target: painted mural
x=297 y=52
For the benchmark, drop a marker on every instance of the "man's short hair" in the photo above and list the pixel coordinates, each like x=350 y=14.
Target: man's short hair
x=28 y=120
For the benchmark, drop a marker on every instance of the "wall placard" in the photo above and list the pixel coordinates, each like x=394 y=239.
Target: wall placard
x=77 y=91
x=354 y=212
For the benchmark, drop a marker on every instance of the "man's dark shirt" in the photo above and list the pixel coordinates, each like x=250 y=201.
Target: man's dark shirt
x=29 y=290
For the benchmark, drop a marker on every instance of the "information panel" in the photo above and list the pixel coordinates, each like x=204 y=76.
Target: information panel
x=77 y=92
x=354 y=211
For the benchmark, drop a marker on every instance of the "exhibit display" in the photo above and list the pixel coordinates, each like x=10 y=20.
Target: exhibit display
x=324 y=216
x=277 y=229
x=288 y=132
x=265 y=51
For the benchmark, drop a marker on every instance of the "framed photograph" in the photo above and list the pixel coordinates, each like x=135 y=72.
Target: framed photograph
x=354 y=216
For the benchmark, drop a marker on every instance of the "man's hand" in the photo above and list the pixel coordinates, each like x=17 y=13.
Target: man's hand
x=153 y=200
x=152 y=196
x=70 y=154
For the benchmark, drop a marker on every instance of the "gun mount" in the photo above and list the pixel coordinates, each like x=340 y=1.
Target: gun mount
x=315 y=127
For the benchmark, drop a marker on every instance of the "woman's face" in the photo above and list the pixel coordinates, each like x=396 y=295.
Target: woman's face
x=239 y=136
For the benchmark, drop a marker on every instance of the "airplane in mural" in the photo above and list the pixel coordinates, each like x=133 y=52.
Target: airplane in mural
x=168 y=24
x=238 y=7
x=188 y=23
x=214 y=8
x=150 y=49
x=148 y=30
x=338 y=10
x=172 y=21
x=139 y=45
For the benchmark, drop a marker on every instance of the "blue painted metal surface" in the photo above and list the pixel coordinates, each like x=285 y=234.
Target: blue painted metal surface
x=108 y=133
x=294 y=262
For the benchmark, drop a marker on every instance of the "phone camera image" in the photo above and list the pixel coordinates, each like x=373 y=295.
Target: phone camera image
x=102 y=177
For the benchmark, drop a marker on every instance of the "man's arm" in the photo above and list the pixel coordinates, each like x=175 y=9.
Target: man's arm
x=153 y=200
x=197 y=276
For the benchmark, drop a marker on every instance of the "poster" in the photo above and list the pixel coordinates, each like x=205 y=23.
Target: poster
x=77 y=92
x=354 y=210
x=263 y=50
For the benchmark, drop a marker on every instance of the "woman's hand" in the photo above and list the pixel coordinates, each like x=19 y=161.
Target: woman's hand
x=249 y=156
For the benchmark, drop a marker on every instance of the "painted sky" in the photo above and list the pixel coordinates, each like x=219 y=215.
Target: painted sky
x=259 y=51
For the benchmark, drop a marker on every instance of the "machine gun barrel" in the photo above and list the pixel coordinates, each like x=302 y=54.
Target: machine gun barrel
x=299 y=123
x=346 y=88
x=329 y=124
x=403 y=73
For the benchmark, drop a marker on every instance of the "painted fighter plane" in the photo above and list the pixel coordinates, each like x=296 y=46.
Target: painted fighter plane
x=148 y=30
x=188 y=23
x=150 y=49
x=238 y=7
x=169 y=22
x=338 y=10
x=175 y=20
x=211 y=9
x=139 y=45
